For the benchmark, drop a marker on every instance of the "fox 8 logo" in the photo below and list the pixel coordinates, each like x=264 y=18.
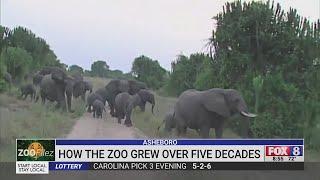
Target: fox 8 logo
x=284 y=151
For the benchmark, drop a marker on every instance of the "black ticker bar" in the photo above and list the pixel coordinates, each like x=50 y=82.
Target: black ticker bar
x=196 y=166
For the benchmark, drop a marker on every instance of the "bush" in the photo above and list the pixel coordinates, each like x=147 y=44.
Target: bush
x=266 y=126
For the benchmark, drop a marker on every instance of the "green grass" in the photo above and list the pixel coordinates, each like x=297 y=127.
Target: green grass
x=23 y=119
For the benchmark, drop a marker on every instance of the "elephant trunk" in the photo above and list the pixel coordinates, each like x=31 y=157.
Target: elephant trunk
x=153 y=102
x=243 y=109
x=152 y=108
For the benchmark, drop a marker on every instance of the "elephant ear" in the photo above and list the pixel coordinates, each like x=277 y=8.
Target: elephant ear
x=113 y=85
x=215 y=102
x=58 y=75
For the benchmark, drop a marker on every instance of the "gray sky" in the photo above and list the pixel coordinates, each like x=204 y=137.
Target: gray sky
x=117 y=31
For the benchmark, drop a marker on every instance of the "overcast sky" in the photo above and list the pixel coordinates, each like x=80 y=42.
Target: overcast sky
x=117 y=31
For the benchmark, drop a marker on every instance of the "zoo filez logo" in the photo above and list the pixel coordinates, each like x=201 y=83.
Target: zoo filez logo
x=35 y=150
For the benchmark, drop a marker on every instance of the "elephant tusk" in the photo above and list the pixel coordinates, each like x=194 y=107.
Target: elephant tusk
x=248 y=114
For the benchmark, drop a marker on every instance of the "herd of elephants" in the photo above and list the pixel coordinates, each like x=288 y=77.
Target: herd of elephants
x=198 y=110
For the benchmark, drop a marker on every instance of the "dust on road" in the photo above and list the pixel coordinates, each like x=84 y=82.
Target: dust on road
x=91 y=128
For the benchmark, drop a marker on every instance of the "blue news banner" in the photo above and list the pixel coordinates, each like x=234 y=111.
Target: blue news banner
x=165 y=154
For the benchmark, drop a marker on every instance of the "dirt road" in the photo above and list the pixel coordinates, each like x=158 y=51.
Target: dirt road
x=91 y=128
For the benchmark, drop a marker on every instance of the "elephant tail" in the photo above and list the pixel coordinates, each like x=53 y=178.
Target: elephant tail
x=152 y=108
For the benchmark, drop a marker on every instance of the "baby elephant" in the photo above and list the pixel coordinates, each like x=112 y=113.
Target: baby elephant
x=124 y=104
x=28 y=89
x=168 y=121
x=91 y=98
x=98 y=108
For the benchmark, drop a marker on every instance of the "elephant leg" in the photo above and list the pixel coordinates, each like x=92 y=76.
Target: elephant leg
x=89 y=108
x=219 y=131
x=43 y=99
x=69 y=103
x=143 y=106
x=119 y=120
x=204 y=132
x=112 y=113
x=93 y=114
x=128 y=121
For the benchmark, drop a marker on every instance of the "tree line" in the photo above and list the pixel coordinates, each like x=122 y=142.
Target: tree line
x=22 y=52
x=271 y=56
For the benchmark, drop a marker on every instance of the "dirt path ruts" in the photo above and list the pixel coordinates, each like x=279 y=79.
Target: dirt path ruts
x=90 y=128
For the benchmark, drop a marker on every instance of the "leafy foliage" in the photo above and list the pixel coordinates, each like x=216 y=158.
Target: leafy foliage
x=257 y=44
x=22 y=52
x=187 y=73
x=149 y=71
x=17 y=60
x=75 y=69
x=99 y=68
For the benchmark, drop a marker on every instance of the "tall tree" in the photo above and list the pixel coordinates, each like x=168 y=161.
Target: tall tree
x=75 y=69
x=99 y=68
x=185 y=71
x=149 y=71
x=259 y=39
x=17 y=61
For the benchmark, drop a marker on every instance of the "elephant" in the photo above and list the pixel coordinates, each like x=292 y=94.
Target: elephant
x=56 y=86
x=37 y=79
x=79 y=89
x=8 y=78
x=88 y=86
x=124 y=103
x=146 y=96
x=28 y=89
x=116 y=86
x=203 y=110
x=135 y=86
x=77 y=77
x=98 y=108
x=168 y=121
x=28 y=76
x=91 y=98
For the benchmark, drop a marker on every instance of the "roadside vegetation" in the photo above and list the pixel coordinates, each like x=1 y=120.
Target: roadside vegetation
x=23 y=119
